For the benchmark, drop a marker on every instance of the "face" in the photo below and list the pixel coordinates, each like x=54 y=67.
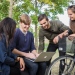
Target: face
x=71 y=14
x=24 y=27
x=44 y=23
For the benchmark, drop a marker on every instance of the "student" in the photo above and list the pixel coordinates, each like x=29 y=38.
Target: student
x=71 y=14
x=23 y=45
x=71 y=31
x=51 y=30
x=9 y=63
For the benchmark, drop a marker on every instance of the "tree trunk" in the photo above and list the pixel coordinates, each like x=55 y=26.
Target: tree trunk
x=36 y=31
x=36 y=37
x=11 y=8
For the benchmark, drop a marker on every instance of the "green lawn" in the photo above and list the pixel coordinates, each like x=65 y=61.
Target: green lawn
x=56 y=55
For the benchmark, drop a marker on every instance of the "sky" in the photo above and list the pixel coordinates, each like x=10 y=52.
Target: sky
x=64 y=18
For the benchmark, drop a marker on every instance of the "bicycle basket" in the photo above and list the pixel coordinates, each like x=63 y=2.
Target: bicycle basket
x=70 y=46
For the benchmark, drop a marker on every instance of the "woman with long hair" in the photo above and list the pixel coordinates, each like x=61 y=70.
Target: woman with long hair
x=71 y=14
x=70 y=32
x=10 y=64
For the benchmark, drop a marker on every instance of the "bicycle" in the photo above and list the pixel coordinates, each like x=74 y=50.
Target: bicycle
x=69 y=62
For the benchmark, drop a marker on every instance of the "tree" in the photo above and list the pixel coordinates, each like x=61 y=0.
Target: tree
x=4 y=6
x=11 y=8
x=33 y=8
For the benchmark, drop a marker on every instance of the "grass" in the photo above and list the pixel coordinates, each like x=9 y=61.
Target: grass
x=56 y=55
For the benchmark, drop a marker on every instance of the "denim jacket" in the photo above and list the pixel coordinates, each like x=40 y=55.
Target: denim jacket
x=7 y=58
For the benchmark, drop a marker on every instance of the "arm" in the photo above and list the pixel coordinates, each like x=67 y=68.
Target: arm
x=56 y=39
x=71 y=37
x=18 y=59
x=7 y=57
x=63 y=31
x=31 y=47
x=20 y=53
x=4 y=58
x=61 y=26
x=22 y=64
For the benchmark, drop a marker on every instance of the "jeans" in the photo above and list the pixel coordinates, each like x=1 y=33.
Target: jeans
x=15 y=70
x=35 y=68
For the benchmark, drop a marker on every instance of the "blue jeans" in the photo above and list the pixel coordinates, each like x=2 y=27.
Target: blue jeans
x=35 y=68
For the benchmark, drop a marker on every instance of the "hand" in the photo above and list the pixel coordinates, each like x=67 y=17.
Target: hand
x=56 y=39
x=31 y=55
x=37 y=55
x=65 y=33
x=71 y=37
x=22 y=64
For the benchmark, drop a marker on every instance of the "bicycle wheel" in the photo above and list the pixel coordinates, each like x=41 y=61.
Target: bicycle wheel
x=54 y=68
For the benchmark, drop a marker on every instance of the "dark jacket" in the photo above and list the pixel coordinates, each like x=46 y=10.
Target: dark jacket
x=56 y=27
x=7 y=59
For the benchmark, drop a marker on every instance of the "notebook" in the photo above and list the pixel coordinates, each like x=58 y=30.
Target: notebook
x=44 y=56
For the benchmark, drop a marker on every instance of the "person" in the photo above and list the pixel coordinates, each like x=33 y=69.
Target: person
x=51 y=30
x=71 y=14
x=10 y=64
x=23 y=44
x=71 y=32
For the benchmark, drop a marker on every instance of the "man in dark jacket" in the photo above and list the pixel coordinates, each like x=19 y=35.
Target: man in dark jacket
x=51 y=30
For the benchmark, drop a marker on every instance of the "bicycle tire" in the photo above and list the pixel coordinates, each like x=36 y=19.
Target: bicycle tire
x=69 y=64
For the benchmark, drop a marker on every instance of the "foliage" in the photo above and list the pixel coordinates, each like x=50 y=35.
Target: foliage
x=33 y=8
x=54 y=7
x=4 y=7
x=50 y=7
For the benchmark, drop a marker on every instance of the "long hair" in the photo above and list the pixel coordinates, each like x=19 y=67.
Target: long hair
x=72 y=22
x=7 y=27
x=72 y=25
